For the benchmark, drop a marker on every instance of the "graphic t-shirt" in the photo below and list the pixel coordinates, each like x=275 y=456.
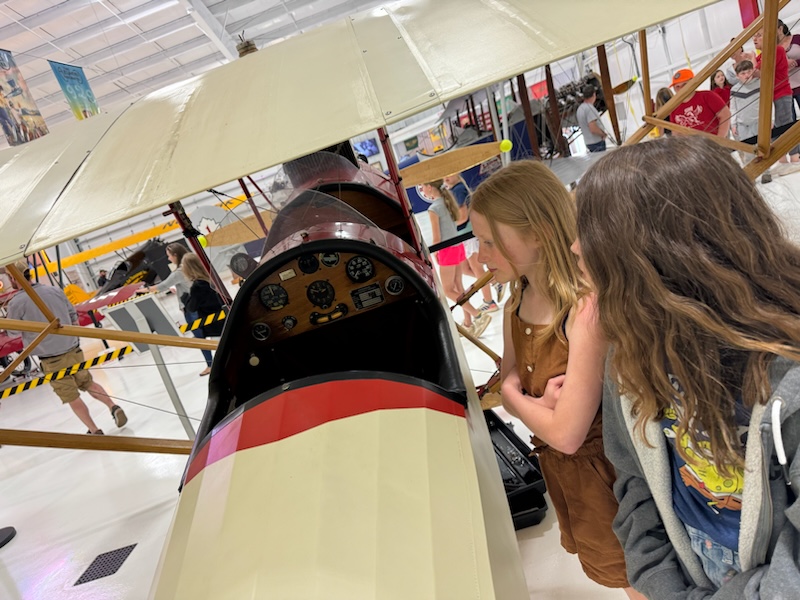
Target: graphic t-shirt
x=699 y=112
x=702 y=497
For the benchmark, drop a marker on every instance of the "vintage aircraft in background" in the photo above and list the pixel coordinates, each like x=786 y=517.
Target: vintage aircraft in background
x=341 y=337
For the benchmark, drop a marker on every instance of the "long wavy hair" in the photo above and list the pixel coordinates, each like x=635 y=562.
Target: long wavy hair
x=696 y=278
x=449 y=200
x=527 y=196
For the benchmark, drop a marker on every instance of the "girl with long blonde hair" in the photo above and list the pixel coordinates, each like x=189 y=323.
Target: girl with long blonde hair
x=698 y=291
x=553 y=354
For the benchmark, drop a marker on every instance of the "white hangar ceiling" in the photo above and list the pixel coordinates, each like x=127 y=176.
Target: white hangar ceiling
x=129 y=48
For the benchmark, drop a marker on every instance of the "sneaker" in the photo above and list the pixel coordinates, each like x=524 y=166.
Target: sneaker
x=490 y=306
x=98 y=432
x=120 y=418
x=500 y=289
x=479 y=324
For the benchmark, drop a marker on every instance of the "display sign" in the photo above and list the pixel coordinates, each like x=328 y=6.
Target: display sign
x=76 y=88
x=19 y=117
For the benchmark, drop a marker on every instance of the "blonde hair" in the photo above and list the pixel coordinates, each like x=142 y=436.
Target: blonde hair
x=449 y=200
x=527 y=196
x=193 y=269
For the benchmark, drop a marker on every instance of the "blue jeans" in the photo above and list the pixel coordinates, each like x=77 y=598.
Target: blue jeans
x=198 y=333
x=719 y=563
x=598 y=147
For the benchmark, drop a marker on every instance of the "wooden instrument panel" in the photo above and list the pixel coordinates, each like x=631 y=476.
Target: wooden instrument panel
x=317 y=289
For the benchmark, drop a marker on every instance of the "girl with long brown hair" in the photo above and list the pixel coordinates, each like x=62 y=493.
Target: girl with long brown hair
x=444 y=214
x=698 y=291
x=553 y=354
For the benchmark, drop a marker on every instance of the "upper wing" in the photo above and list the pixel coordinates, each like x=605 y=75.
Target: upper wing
x=288 y=100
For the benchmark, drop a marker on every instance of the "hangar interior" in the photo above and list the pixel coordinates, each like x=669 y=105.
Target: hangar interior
x=71 y=506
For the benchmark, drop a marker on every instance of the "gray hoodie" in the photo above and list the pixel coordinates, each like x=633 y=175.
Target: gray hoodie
x=659 y=556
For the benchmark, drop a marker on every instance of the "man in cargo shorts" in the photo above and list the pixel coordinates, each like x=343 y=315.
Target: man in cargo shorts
x=58 y=352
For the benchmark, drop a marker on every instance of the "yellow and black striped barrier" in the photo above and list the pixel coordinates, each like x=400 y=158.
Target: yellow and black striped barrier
x=87 y=364
x=202 y=322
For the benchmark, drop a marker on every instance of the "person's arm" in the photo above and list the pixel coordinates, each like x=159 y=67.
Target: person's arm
x=435 y=230
x=565 y=425
x=173 y=278
x=724 y=117
x=463 y=214
x=595 y=129
x=508 y=364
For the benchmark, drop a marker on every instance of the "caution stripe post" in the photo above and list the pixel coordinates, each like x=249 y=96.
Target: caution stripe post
x=202 y=322
x=87 y=364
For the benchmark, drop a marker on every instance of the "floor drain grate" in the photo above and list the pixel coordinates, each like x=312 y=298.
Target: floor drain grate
x=105 y=564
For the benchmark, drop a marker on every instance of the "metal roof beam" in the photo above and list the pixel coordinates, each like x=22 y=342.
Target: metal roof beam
x=128 y=69
x=212 y=28
x=135 y=41
x=42 y=18
x=219 y=9
x=92 y=31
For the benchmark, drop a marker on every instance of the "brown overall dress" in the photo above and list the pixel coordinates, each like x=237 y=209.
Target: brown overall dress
x=579 y=485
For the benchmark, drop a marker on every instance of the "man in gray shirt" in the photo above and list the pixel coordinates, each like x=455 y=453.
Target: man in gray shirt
x=589 y=121
x=58 y=352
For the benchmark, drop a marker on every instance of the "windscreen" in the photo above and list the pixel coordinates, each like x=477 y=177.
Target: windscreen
x=310 y=209
x=310 y=172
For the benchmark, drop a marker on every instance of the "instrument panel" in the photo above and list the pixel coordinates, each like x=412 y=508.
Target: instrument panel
x=320 y=288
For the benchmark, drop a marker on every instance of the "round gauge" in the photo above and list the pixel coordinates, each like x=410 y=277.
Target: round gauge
x=289 y=322
x=321 y=293
x=395 y=285
x=360 y=269
x=260 y=331
x=308 y=263
x=273 y=296
x=329 y=259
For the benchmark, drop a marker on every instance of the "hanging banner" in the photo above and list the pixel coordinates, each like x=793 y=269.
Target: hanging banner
x=19 y=117
x=76 y=88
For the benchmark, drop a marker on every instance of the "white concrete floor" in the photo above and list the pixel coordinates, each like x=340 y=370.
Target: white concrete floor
x=68 y=506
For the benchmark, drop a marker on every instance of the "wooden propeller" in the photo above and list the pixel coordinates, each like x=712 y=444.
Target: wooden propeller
x=448 y=163
x=240 y=232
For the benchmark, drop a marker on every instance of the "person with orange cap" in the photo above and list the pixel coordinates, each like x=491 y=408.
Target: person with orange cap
x=703 y=110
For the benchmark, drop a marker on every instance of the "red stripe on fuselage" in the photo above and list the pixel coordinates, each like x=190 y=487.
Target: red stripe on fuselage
x=298 y=410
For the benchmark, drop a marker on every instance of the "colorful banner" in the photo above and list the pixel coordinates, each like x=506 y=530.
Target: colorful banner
x=76 y=88
x=19 y=117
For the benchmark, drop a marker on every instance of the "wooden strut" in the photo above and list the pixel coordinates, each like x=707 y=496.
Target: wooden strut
x=608 y=92
x=524 y=98
x=110 y=334
x=76 y=441
x=493 y=355
x=702 y=76
x=648 y=98
x=52 y=325
x=559 y=141
x=728 y=143
x=766 y=93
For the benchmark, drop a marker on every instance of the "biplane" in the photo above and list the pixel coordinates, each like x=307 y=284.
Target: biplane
x=343 y=452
